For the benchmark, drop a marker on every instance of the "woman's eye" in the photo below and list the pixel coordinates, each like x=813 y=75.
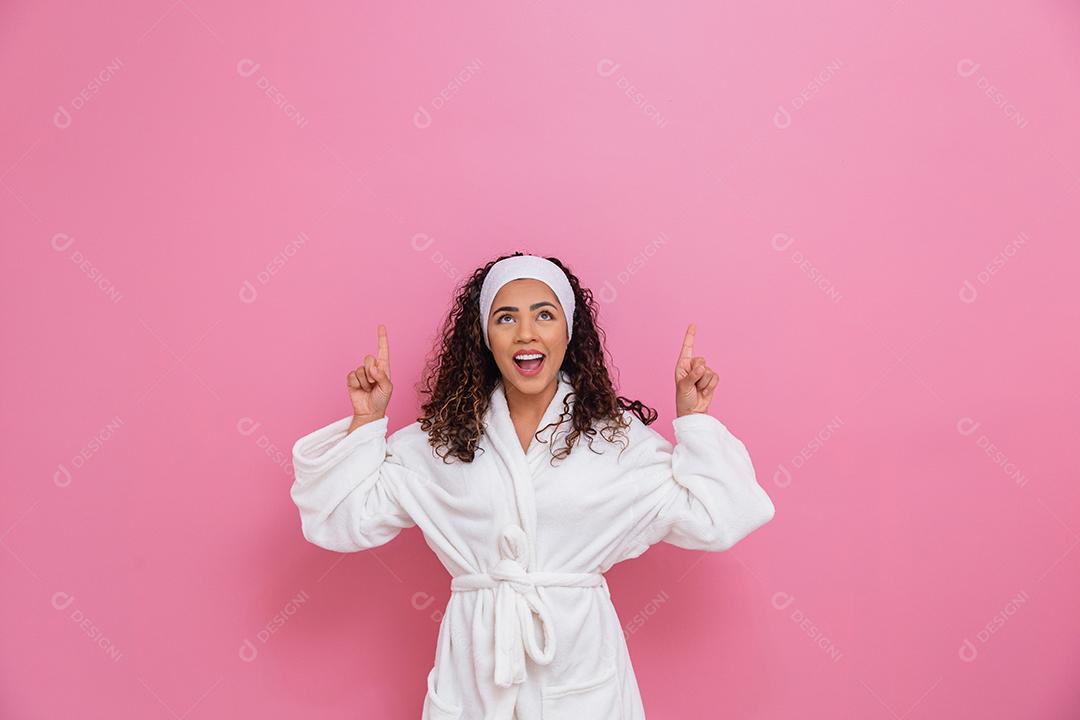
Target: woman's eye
x=542 y=313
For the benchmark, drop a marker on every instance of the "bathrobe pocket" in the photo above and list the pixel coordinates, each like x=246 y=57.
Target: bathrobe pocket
x=442 y=701
x=437 y=707
x=596 y=698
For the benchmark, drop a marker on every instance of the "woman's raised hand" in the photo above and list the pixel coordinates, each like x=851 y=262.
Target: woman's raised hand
x=694 y=380
x=369 y=385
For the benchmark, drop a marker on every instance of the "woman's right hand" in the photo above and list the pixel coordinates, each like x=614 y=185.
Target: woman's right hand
x=369 y=385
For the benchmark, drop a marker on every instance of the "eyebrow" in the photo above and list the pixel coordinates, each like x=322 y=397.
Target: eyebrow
x=511 y=308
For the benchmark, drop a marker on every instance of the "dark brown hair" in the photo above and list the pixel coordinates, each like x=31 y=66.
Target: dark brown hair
x=461 y=374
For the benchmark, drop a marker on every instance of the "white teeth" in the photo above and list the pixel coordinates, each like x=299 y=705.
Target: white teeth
x=533 y=356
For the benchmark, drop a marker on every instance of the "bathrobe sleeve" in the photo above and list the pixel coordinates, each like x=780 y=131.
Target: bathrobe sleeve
x=347 y=486
x=701 y=493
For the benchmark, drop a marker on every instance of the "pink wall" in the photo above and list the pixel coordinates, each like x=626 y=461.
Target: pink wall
x=869 y=211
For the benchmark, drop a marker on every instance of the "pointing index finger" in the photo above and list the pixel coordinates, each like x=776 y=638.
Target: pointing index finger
x=688 y=344
x=384 y=345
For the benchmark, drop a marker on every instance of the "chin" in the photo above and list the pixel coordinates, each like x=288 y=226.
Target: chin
x=528 y=385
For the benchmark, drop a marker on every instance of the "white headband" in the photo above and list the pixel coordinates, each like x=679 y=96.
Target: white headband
x=526 y=266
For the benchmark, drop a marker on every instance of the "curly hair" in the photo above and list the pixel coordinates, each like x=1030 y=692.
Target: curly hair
x=461 y=373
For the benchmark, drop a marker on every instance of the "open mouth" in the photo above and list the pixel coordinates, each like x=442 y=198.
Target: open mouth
x=529 y=362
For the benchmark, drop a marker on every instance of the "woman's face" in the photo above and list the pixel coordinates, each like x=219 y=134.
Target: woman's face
x=527 y=319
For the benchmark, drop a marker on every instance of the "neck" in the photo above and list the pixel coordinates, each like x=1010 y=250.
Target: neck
x=529 y=405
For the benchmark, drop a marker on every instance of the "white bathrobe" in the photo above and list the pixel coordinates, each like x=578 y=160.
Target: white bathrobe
x=529 y=631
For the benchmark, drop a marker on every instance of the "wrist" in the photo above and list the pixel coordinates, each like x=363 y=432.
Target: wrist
x=361 y=420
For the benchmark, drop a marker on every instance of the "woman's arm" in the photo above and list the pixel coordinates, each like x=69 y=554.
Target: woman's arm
x=347 y=487
x=700 y=493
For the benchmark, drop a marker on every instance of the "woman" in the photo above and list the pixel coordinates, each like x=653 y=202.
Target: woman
x=529 y=478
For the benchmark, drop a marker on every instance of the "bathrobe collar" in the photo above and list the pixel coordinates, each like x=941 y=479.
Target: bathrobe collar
x=499 y=428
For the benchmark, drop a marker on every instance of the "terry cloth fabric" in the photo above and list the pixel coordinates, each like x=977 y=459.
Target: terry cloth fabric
x=529 y=630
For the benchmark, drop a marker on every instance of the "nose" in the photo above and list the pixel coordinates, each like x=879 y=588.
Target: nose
x=525 y=330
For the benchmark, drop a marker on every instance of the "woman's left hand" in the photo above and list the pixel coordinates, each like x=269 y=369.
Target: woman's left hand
x=694 y=380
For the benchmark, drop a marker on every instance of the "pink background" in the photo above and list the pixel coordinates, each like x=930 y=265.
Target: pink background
x=868 y=209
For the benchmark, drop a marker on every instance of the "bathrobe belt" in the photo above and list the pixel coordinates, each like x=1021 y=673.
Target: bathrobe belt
x=516 y=601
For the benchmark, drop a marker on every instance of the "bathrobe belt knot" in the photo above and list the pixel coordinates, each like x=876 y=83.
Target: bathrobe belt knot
x=516 y=602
